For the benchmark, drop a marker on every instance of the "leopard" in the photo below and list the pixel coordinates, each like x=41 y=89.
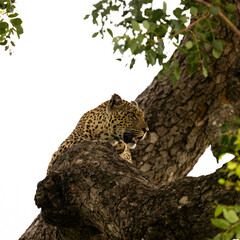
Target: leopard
x=117 y=121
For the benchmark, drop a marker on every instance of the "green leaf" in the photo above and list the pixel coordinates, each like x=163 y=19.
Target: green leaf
x=13 y=15
x=231 y=165
x=213 y=10
x=189 y=44
x=218 y=211
x=147 y=1
x=228 y=236
x=98 y=5
x=161 y=30
x=110 y=32
x=133 y=45
x=135 y=26
x=95 y=34
x=140 y=38
x=151 y=57
x=13 y=44
x=164 y=7
x=86 y=17
x=16 y=22
x=173 y=79
x=148 y=12
x=216 y=53
x=19 y=30
x=157 y=15
x=230 y=216
x=204 y=71
x=115 y=8
x=192 y=67
x=218 y=45
x=193 y=11
x=220 y=223
x=237 y=231
x=237 y=208
x=192 y=62
x=230 y=8
x=177 y=72
x=218 y=237
x=4 y=42
x=221 y=181
x=132 y=63
x=176 y=26
x=160 y=47
x=178 y=12
x=3 y=27
x=237 y=171
x=217 y=2
x=145 y=24
x=209 y=36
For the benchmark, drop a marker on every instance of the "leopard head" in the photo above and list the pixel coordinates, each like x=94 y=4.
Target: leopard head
x=126 y=121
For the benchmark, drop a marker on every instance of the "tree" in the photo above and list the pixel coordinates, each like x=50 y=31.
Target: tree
x=92 y=194
x=10 y=23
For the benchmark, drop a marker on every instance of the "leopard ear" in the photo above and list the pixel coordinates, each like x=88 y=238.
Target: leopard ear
x=114 y=102
x=134 y=103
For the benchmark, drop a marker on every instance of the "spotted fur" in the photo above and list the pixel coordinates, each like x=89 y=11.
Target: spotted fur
x=116 y=121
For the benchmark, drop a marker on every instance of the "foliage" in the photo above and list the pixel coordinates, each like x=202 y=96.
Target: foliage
x=227 y=218
x=10 y=23
x=144 y=28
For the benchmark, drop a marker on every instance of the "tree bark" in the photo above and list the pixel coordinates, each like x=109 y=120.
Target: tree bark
x=93 y=194
x=94 y=191
x=184 y=119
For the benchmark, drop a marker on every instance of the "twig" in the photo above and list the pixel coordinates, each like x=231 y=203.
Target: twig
x=205 y=3
x=228 y=22
x=190 y=25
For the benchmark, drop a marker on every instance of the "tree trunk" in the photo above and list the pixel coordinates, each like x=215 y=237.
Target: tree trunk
x=92 y=194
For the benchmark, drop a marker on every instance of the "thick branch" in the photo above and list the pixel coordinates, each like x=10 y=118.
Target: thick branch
x=179 y=117
x=99 y=190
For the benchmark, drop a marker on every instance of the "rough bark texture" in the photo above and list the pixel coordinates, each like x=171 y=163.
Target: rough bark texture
x=92 y=194
x=184 y=119
x=95 y=191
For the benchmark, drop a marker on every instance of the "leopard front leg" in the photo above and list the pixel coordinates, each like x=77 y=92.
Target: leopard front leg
x=123 y=151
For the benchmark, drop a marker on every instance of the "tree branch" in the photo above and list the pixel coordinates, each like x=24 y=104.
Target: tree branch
x=98 y=190
x=228 y=22
x=190 y=25
x=204 y=3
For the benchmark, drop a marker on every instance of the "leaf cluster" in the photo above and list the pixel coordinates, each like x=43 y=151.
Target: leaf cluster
x=227 y=218
x=145 y=27
x=10 y=24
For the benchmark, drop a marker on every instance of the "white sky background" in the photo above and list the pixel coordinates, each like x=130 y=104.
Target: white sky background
x=57 y=73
